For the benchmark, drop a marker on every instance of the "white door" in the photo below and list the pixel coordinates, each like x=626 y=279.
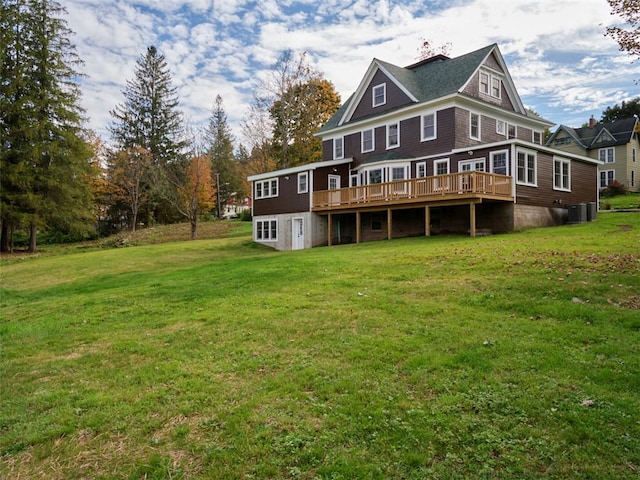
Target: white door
x=297 y=242
x=334 y=184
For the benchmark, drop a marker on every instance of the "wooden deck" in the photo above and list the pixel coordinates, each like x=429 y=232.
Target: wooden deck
x=466 y=187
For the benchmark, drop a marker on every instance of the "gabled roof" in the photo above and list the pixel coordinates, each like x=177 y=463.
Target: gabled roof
x=618 y=132
x=428 y=80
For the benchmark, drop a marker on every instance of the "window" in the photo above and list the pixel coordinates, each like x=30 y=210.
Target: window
x=303 y=182
x=606 y=177
x=526 y=167
x=393 y=135
x=267 y=230
x=561 y=174
x=501 y=128
x=512 y=132
x=368 y=144
x=376 y=222
x=562 y=141
x=633 y=155
x=476 y=165
x=499 y=163
x=474 y=126
x=441 y=167
x=490 y=85
x=484 y=83
x=267 y=188
x=375 y=176
x=379 y=94
x=429 y=126
x=496 y=90
x=338 y=148
x=536 y=137
x=421 y=170
x=633 y=178
x=607 y=155
x=397 y=173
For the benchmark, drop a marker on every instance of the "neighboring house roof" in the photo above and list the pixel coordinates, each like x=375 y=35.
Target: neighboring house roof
x=429 y=80
x=618 y=132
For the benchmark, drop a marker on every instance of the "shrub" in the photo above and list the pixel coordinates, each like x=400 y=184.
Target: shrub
x=614 y=188
x=245 y=215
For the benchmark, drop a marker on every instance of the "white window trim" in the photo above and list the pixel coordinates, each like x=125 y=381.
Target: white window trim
x=435 y=127
x=515 y=131
x=373 y=141
x=488 y=83
x=398 y=135
x=441 y=161
x=306 y=183
x=494 y=154
x=418 y=165
x=491 y=79
x=606 y=149
x=273 y=192
x=562 y=161
x=606 y=173
x=383 y=86
x=501 y=131
x=533 y=136
x=495 y=78
x=336 y=155
x=260 y=228
x=473 y=163
x=535 y=168
x=471 y=114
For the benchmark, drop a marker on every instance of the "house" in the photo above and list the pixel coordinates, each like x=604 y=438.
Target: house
x=234 y=206
x=616 y=144
x=443 y=145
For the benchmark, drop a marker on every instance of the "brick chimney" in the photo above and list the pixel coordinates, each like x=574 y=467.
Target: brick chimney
x=592 y=122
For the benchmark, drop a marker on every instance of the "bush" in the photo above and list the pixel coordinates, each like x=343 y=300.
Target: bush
x=613 y=189
x=245 y=215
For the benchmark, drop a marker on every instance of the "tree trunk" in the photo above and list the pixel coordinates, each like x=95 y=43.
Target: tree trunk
x=194 y=227
x=4 y=237
x=33 y=234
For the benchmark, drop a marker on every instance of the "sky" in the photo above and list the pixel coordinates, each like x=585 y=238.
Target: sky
x=561 y=63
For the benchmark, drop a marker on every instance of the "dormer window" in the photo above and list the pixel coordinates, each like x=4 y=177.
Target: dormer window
x=379 y=94
x=491 y=85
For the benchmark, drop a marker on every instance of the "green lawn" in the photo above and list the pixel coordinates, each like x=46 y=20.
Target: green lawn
x=621 y=202
x=509 y=356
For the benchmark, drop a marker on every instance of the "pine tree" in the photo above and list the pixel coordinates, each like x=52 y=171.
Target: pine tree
x=46 y=177
x=149 y=119
x=224 y=168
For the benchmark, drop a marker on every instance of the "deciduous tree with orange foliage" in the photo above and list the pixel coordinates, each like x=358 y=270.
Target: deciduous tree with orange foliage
x=629 y=11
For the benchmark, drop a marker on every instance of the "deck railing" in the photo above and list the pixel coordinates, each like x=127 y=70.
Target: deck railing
x=417 y=190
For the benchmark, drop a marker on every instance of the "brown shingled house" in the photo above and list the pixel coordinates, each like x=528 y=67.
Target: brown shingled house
x=444 y=145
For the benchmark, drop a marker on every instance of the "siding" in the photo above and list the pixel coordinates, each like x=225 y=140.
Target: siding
x=395 y=98
x=287 y=201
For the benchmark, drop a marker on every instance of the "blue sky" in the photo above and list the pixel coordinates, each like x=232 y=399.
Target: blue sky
x=562 y=64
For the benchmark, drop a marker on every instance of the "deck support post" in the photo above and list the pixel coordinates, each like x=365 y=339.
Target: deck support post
x=389 y=224
x=472 y=219
x=358 y=227
x=427 y=221
x=329 y=232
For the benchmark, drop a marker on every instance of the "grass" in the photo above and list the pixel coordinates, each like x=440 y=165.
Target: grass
x=511 y=356
x=621 y=202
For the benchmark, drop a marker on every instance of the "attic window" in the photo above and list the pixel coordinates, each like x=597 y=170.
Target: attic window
x=491 y=85
x=379 y=94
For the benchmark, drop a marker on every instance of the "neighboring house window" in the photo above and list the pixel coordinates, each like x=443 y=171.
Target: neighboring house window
x=267 y=230
x=379 y=95
x=606 y=177
x=393 y=135
x=303 y=182
x=607 y=155
x=368 y=144
x=536 y=137
x=267 y=188
x=421 y=170
x=441 y=167
x=633 y=178
x=501 y=128
x=474 y=126
x=428 y=126
x=526 y=167
x=561 y=174
x=633 y=155
x=562 y=141
x=484 y=82
x=512 y=131
x=499 y=163
x=338 y=148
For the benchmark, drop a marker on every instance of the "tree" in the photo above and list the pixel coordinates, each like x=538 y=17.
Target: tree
x=149 y=118
x=256 y=128
x=427 y=50
x=311 y=105
x=629 y=11
x=44 y=156
x=626 y=109
x=128 y=180
x=219 y=148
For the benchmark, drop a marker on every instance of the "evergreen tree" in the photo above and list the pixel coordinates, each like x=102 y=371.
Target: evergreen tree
x=224 y=168
x=149 y=119
x=44 y=157
x=626 y=109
